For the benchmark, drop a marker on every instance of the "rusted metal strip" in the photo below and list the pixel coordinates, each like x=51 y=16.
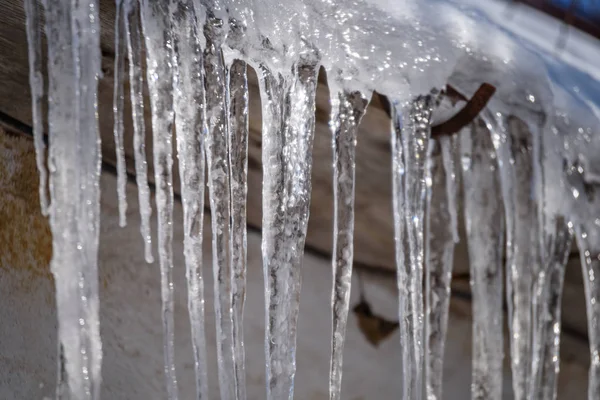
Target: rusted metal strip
x=461 y=119
x=468 y=113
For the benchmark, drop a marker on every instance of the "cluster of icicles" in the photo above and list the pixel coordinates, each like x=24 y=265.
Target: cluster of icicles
x=202 y=93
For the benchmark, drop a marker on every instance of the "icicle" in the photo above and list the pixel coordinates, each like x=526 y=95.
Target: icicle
x=347 y=109
x=484 y=213
x=441 y=238
x=288 y=104
x=547 y=301
x=555 y=244
x=522 y=222
x=73 y=67
x=217 y=157
x=590 y=264
x=403 y=274
x=238 y=161
x=36 y=83
x=86 y=31
x=190 y=122
x=133 y=35
x=409 y=189
x=118 y=104
x=156 y=24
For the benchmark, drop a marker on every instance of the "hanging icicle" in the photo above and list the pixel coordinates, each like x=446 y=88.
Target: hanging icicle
x=133 y=36
x=73 y=67
x=484 y=214
x=347 y=109
x=410 y=139
x=238 y=164
x=118 y=105
x=190 y=121
x=441 y=239
x=517 y=163
x=36 y=84
x=156 y=25
x=217 y=157
x=288 y=126
x=547 y=303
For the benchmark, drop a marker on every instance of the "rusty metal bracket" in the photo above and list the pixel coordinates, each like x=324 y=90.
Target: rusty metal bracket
x=462 y=118
x=468 y=113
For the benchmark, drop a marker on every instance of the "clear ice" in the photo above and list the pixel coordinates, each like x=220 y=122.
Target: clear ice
x=515 y=150
x=134 y=39
x=190 y=125
x=484 y=212
x=547 y=307
x=441 y=239
x=288 y=103
x=348 y=107
x=118 y=105
x=217 y=157
x=238 y=164
x=410 y=138
x=156 y=24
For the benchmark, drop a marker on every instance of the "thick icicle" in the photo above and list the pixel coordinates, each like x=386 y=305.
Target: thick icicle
x=484 y=214
x=441 y=238
x=548 y=297
x=36 y=84
x=522 y=258
x=238 y=161
x=86 y=31
x=412 y=129
x=217 y=158
x=133 y=35
x=190 y=122
x=73 y=67
x=288 y=104
x=118 y=104
x=347 y=109
x=156 y=25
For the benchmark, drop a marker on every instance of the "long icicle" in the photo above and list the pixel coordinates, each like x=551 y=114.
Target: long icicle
x=347 y=109
x=118 y=105
x=86 y=30
x=412 y=129
x=73 y=68
x=36 y=84
x=156 y=26
x=217 y=158
x=402 y=276
x=288 y=104
x=238 y=164
x=63 y=149
x=548 y=298
x=522 y=258
x=484 y=219
x=190 y=124
x=134 y=39
x=441 y=238
x=590 y=264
